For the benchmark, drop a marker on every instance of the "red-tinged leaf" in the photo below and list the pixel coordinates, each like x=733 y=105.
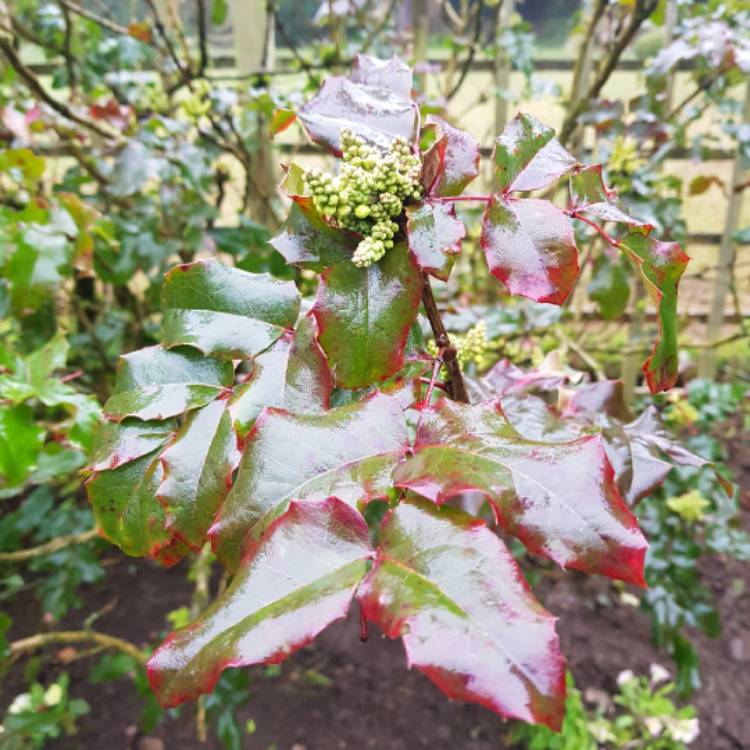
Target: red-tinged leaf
x=435 y=236
x=529 y=245
x=299 y=579
x=392 y=74
x=113 y=112
x=590 y=195
x=451 y=589
x=309 y=242
x=125 y=505
x=643 y=452
x=293 y=374
x=198 y=468
x=505 y=378
x=118 y=443
x=348 y=452
x=606 y=397
x=140 y=31
x=364 y=316
x=559 y=499
x=375 y=113
x=698 y=185
x=528 y=156
x=156 y=383
x=660 y=264
x=224 y=311
x=281 y=120
x=452 y=161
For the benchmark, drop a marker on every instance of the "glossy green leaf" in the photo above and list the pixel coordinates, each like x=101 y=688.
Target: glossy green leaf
x=299 y=579
x=126 y=508
x=435 y=235
x=198 y=468
x=308 y=241
x=660 y=264
x=225 y=311
x=364 y=316
x=590 y=195
x=528 y=156
x=348 y=452
x=118 y=443
x=156 y=383
x=559 y=499
x=292 y=374
x=451 y=589
x=609 y=286
x=529 y=245
x=21 y=439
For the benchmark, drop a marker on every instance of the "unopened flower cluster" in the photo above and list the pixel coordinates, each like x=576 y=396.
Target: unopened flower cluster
x=368 y=193
x=472 y=347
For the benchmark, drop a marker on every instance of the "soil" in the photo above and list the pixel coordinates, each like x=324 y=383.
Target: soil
x=341 y=694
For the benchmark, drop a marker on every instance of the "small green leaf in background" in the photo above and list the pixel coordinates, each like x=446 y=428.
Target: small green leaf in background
x=218 y=12
x=610 y=286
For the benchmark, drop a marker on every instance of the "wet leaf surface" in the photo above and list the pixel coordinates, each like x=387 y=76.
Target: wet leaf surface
x=450 y=588
x=298 y=580
x=435 y=235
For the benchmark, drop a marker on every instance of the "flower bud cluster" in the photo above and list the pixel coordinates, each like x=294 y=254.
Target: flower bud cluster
x=368 y=193
x=472 y=347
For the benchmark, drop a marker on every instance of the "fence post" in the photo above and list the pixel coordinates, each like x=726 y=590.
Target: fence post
x=707 y=367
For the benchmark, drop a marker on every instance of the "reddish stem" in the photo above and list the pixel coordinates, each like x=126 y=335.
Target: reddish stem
x=456 y=198
x=363 y=634
x=575 y=215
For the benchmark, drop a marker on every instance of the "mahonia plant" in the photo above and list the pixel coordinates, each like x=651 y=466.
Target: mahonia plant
x=226 y=433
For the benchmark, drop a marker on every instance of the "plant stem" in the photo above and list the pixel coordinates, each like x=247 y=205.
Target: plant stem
x=76 y=636
x=50 y=547
x=455 y=383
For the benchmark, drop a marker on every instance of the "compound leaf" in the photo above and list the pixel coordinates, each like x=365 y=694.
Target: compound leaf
x=348 y=452
x=299 y=579
x=118 y=443
x=156 y=383
x=225 y=311
x=559 y=499
x=450 y=588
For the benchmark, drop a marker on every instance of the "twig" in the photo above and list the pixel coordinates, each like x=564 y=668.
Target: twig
x=17 y=648
x=377 y=30
x=67 y=49
x=91 y=16
x=36 y=87
x=472 y=51
x=455 y=381
x=642 y=9
x=50 y=547
x=202 y=36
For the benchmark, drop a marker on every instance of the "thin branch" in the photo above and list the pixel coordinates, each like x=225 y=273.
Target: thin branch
x=36 y=87
x=455 y=381
x=41 y=640
x=49 y=548
x=472 y=51
x=91 y=16
x=67 y=49
x=377 y=30
x=202 y=36
x=642 y=9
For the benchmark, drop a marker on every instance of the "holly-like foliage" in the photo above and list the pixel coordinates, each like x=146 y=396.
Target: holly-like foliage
x=268 y=433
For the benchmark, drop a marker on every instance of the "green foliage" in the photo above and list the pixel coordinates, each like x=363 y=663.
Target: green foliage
x=40 y=715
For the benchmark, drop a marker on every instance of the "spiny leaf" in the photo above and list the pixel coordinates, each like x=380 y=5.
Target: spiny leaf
x=590 y=195
x=292 y=374
x=559 y=499
x=660 y=264
x=451 y=162
x=528 y=156
x=224 y=311
x=198 y=468
x=156 y=383
x=529 y=246
x=376 y=113
x=392 y=74
x=450 y=588
x=118 y=443
x=126 y=508
x=364 y=316
x=348 y=452
x=435 y=236
x=299 y=579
